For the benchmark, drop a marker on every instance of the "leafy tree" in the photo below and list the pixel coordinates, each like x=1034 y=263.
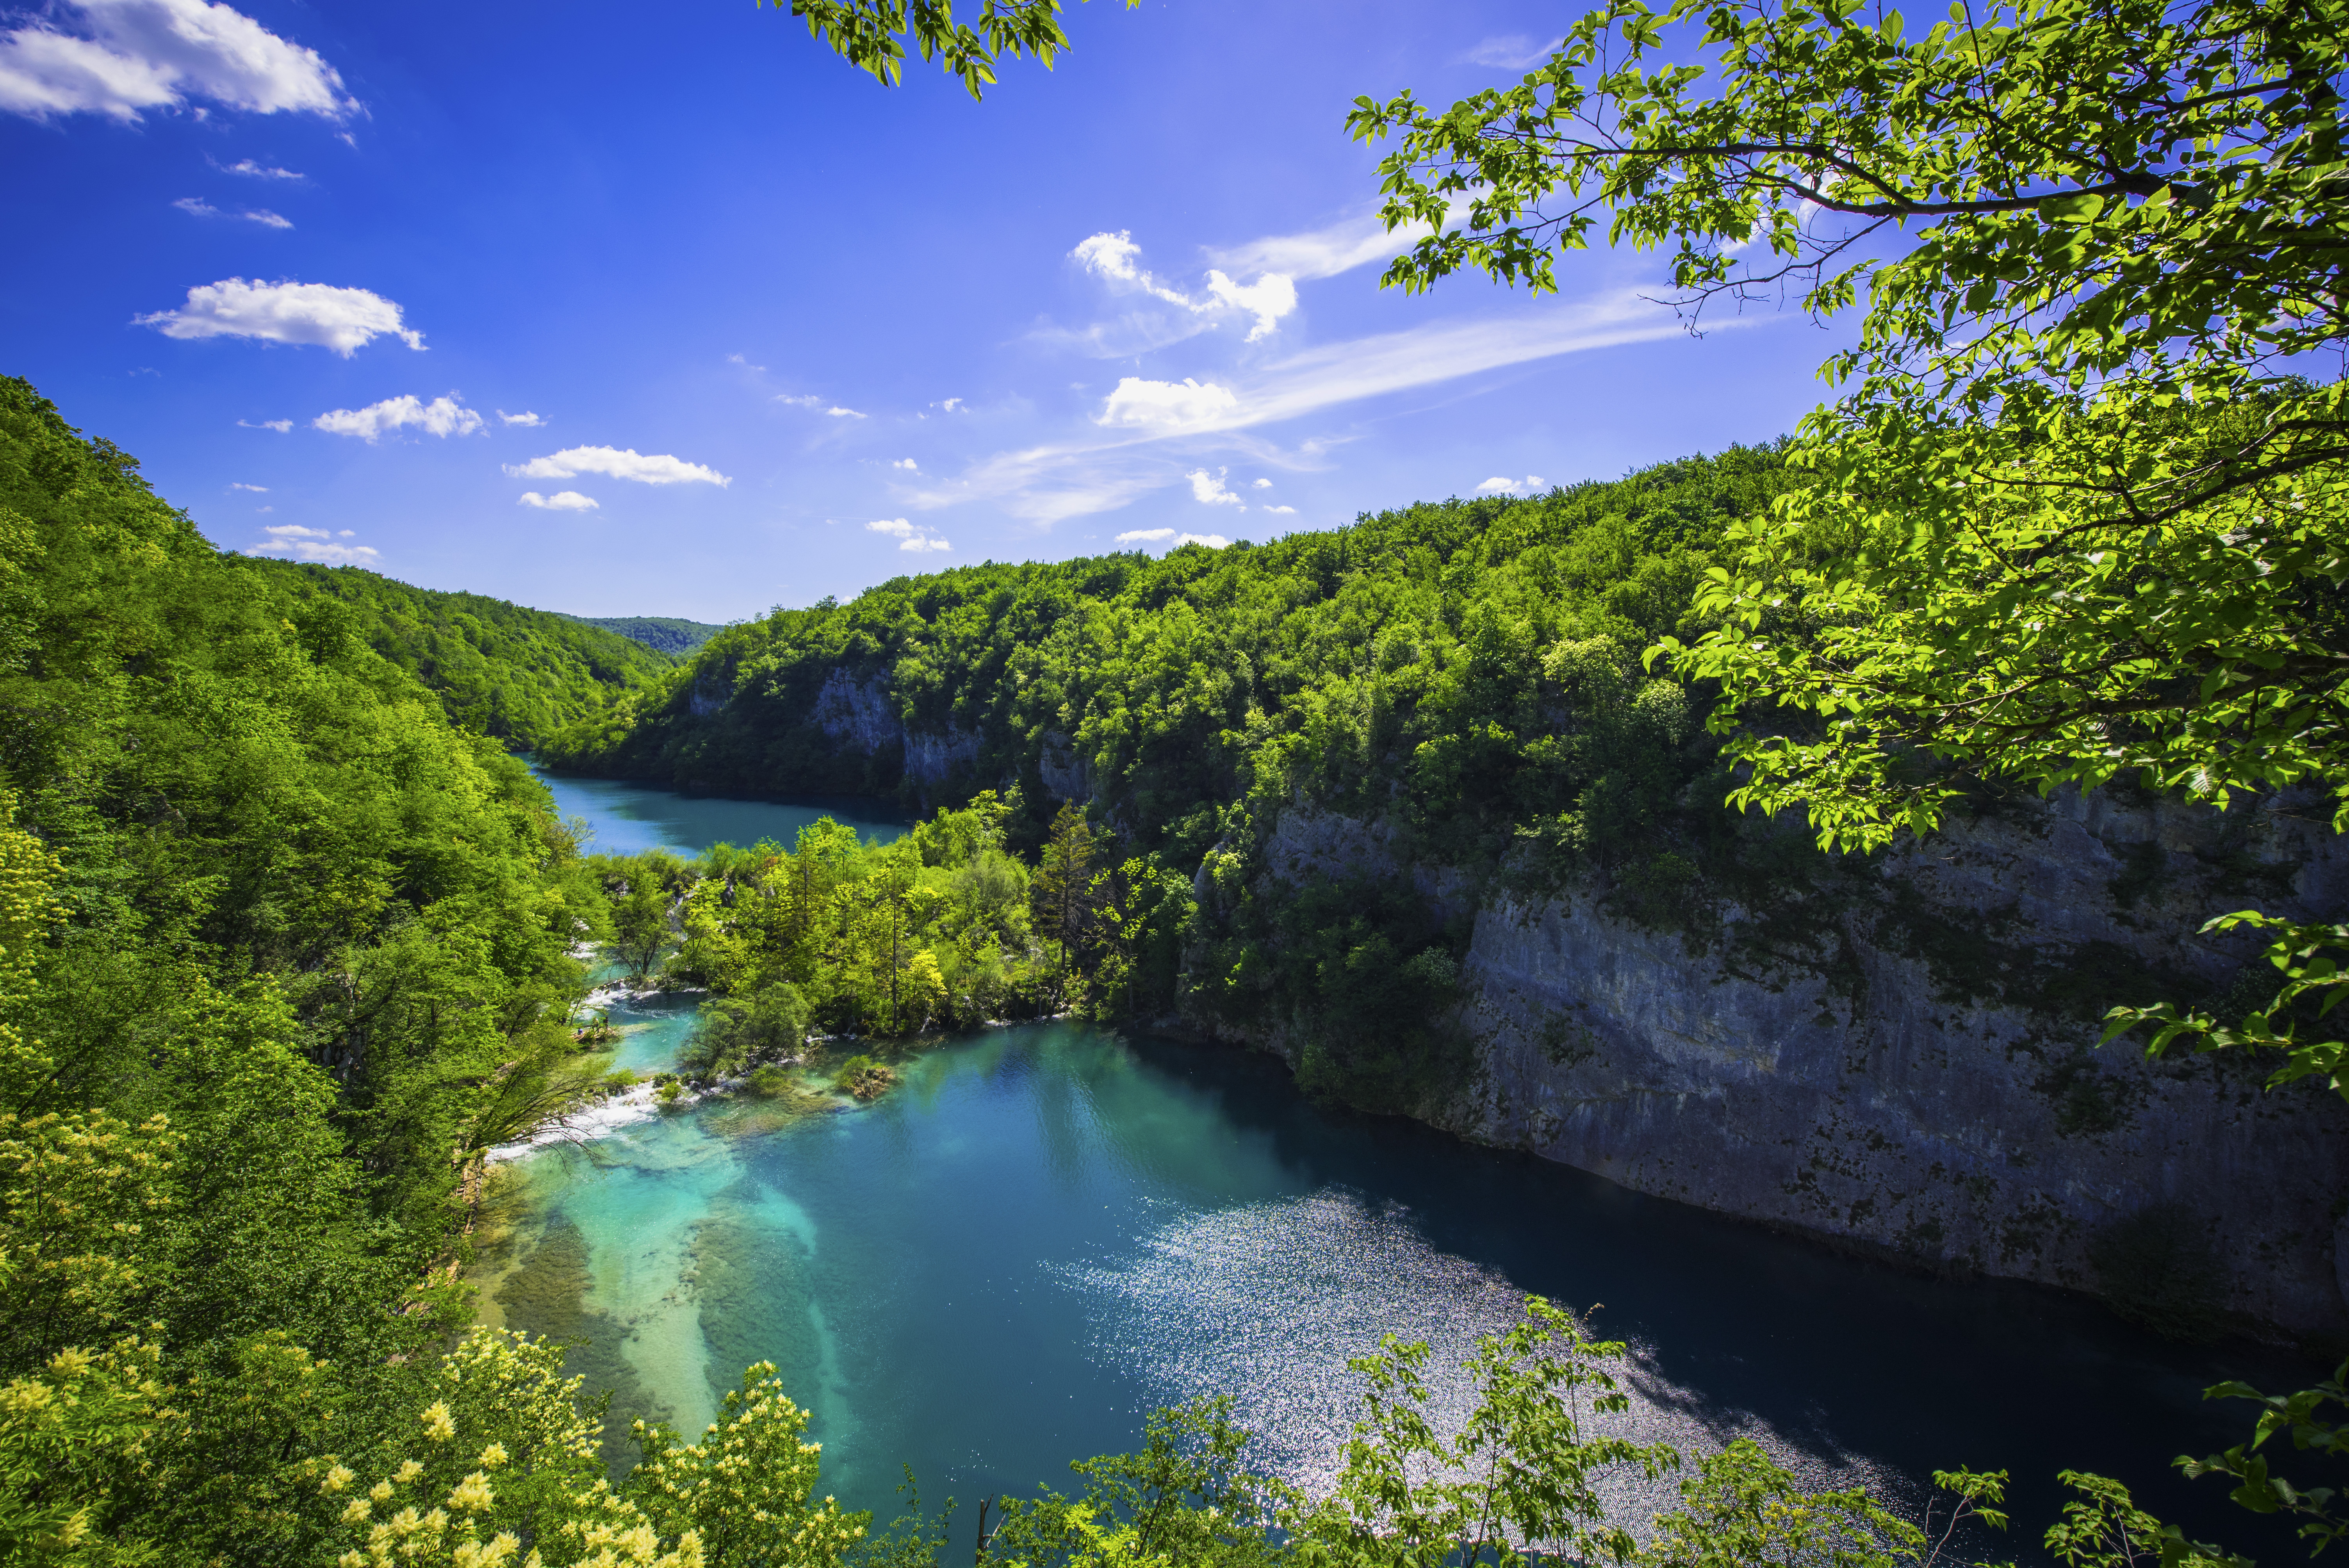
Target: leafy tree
x=1067 y=901
x=872 y=35
x=733 y=1033
x=2077 y=513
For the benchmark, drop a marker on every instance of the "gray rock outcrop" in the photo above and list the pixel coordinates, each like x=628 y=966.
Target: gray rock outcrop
x=1923 y=1079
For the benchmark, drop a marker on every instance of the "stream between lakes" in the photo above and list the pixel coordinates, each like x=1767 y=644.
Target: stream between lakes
x=1045 y=1232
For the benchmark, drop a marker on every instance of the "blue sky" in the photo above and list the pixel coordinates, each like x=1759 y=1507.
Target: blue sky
x=413 y=286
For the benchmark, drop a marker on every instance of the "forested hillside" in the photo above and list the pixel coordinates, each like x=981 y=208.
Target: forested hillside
x=498 y=668
x=1407 y=651
x=283 y=949
x=663 y=633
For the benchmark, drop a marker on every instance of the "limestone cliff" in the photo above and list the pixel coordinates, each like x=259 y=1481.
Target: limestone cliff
x=1920 y=1075
x=861 y=716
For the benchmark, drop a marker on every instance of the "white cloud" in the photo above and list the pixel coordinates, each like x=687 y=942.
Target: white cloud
x=1212 y=540
x=257 y=490
x=252 y=170
x=1501 y=485
x=953 y=405
x=1207 y=489
x=344 y=320
x=560 y=501
x=312 y=544
x=810 y=401
x=441 y=416
x=1144 y=535
x=910 y=535
x=1267 y=299
x=280 y=425
x=528 y=420
x=1114 y=257
x=197 y=207
x=839 y=413
x=1262 y=484
x=1166 y=405
x=908 y=464
x=1281 y=511
x=1511 y=52
x=660 y=470
x=135 y=55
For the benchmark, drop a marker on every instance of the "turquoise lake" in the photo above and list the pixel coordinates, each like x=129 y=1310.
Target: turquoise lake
x=1047 y=1231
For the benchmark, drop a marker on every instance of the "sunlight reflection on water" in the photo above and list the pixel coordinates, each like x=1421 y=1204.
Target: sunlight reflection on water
x=1267 y=1302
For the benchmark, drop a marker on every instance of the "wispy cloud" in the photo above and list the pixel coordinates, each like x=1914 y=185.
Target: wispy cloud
x=560 y=501
x=280 y=425
x=1144 y=535
x=1281 y=511
x=126 y=56
x=629 y=464
x=1123 y=457
x=441 y=416
x=196 y=206
x=1511 y=52
x=1323 y=252
x=252 y=171
x=1502 y=485
x=291 y=539
x=257 y=490
x=527 y=421
x=344 y=320
x=908 y=464
x=837 y=412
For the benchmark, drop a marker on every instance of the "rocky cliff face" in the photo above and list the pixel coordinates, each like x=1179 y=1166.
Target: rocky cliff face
x=1925 y=1081
x=860 y=716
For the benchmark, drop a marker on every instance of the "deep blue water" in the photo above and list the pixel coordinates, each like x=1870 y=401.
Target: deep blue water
x=629 y=819
x=1047 y=1231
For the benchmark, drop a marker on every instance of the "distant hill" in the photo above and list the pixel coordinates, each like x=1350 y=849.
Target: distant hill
x=666 y=632
x=499 y=669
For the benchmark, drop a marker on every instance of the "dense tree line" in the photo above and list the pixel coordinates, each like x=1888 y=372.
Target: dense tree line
x=662 y=634
x=497 y=669
x=1405 y=650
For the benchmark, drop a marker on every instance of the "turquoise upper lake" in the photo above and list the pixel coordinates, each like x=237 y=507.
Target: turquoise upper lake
x=1045 y=1232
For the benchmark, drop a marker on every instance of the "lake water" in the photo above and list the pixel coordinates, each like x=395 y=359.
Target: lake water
x=1046 y=1232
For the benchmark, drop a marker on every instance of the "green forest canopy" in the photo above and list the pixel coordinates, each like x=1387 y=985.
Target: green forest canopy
x=497 y=669
x=662 y=634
